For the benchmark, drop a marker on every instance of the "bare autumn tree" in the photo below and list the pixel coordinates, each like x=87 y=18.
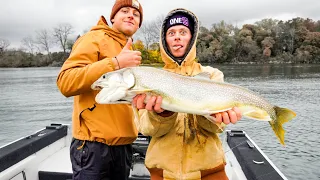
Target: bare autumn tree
x=4 y=44
x=29 y=44
x=156 y=27
x=146 y=34
x=150 y=31
x=61 y=34
x=44 y=40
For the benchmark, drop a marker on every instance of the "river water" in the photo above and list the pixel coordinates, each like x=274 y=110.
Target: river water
x=30 y=100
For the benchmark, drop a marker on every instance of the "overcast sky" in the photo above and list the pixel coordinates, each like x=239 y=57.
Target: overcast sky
x=21 y=18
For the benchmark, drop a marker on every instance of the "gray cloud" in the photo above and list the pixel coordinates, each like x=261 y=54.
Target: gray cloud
x=21 y=18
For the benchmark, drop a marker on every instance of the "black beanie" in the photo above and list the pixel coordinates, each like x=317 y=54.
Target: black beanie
x=180 y=18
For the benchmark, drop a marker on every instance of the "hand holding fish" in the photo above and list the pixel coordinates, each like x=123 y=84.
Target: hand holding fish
x=127 y=57
x=231 y=116
x=154 y=104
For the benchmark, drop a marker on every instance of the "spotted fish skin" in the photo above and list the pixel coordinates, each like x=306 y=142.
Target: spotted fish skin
x=195 y=95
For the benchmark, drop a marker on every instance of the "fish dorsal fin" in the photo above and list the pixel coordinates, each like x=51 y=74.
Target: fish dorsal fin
x=203 y=75
x=128 y=78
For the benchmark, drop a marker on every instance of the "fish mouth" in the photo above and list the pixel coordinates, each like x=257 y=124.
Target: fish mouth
x=121 y=100
x=97 y=86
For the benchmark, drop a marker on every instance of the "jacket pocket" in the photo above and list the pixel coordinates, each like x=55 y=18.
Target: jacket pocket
x=78 y=154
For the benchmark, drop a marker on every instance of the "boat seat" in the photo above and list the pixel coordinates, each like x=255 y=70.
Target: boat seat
x=56 y=167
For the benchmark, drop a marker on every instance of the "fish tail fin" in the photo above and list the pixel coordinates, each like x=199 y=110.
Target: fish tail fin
x=283 y=115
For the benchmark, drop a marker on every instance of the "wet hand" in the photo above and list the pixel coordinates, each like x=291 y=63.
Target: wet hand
x=231 y=116
x=153 y=103
x=127 y=57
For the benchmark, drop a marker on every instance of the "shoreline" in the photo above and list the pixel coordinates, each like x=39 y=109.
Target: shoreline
x=229 y=63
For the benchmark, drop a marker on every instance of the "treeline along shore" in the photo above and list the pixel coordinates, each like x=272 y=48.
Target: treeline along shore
x=266 y=41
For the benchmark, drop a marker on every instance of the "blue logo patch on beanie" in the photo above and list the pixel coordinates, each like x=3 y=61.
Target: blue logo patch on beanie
x=179 y=19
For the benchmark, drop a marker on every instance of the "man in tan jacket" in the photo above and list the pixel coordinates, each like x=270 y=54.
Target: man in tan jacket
x=102 y=134
x=183 y=146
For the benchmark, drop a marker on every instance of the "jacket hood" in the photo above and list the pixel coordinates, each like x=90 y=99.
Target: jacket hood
x=116 y=35
x=190 y=54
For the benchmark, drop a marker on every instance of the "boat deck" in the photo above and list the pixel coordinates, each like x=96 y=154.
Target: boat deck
x=44 y=155
x=58 y=167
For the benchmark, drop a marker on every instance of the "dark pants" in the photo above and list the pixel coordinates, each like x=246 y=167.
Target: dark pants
x=98 y=161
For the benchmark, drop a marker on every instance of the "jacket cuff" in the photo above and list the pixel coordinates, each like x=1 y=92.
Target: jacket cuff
x=109 y=63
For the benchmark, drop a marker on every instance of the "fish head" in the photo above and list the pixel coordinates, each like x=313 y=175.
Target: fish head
x=114 y=87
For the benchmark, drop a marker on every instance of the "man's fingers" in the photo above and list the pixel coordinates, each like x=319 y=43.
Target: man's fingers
x=218 y=117
x=225 y=118
x=134 y=100
x=138 y=53
x=151 y=103
x=157 y=106
x=140 y=102
x=232 y=116
x=238 y=112
x=128 y=45
x=139 y=58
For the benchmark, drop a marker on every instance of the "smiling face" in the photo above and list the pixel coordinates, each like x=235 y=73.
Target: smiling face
x=178 y=38
x=126 y=21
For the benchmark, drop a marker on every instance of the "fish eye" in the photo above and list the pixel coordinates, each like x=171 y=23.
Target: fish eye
x=104 y=76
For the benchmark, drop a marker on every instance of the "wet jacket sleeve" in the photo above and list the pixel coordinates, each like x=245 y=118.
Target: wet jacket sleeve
x=83 y=67
x=151 y=124
x=203 y=122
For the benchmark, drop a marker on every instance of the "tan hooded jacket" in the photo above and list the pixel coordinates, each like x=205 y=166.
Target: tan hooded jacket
x=90 y=58
x=183 y=146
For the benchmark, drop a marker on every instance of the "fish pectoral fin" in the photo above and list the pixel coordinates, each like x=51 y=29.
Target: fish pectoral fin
x=112 y=96
x=128 y=78
x=255 y=113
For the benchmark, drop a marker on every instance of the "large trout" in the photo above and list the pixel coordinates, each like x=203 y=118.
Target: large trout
x=195 y=95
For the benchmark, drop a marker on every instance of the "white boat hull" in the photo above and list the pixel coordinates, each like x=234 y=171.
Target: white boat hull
x=53 y=160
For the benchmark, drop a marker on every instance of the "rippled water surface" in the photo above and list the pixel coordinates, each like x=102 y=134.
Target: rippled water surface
x=30 y=100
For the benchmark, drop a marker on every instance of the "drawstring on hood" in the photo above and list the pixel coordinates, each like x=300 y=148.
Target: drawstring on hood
x=190 y=54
